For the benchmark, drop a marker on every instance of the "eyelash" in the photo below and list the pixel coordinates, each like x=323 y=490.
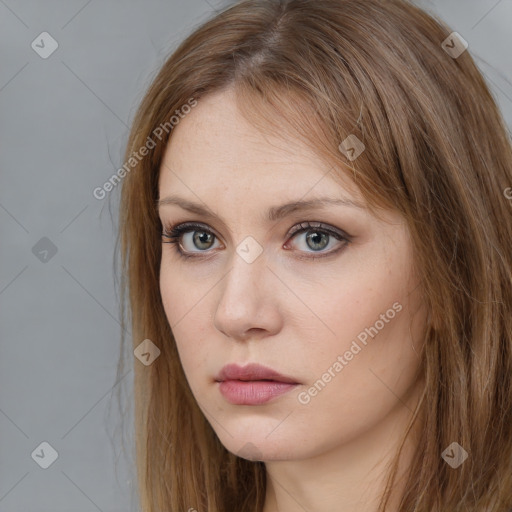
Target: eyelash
x=174 y=234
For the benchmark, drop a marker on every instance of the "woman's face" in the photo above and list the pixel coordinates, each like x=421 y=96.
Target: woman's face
x=335 y=307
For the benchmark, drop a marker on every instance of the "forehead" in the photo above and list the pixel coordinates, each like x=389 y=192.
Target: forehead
x=215 y=148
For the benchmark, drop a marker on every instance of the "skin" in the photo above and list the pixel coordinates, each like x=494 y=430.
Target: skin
x=289 y=312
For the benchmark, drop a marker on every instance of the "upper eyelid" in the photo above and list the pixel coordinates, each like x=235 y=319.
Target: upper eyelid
x=314 y=224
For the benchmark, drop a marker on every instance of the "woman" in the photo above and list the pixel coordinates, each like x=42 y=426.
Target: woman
x=318 y=255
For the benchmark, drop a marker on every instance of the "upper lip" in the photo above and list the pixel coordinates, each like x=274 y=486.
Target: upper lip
x=251 y=372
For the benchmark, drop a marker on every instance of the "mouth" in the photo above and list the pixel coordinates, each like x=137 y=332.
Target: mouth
x=252 y=372
x=252 y=384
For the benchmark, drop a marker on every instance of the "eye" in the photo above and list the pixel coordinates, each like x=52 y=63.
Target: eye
x=318 y=237
x=185 y=237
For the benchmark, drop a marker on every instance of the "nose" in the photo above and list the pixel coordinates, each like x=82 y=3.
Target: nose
x=248 y=305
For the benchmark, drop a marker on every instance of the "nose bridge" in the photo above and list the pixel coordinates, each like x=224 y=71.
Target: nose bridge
x=246 y=280
x=244 y=302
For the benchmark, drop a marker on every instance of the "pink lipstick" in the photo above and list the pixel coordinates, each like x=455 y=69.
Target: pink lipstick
x=252 y=384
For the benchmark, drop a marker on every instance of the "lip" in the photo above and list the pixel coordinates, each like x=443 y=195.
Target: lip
x=252 y=384
x=252 y=372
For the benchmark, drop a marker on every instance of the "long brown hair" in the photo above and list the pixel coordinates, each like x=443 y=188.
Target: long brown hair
x=436 y=150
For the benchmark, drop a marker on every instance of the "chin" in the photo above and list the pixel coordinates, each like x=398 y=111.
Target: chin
x=259 y=446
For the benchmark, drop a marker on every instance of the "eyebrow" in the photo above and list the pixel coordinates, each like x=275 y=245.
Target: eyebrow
x=274 y=213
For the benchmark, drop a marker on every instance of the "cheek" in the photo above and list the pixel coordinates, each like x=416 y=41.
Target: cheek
x=357 y=294
x=182 y=297
x=375 y=325
x=185 y=312
x=344 y=398
x=372 y=329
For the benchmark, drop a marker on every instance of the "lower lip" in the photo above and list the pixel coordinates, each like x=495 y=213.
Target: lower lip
x=253 y=392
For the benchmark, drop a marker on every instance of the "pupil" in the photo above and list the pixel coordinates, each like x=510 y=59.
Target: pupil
x=201 y=237
x=315 y=237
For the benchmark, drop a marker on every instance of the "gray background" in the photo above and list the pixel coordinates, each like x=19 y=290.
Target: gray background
x=63 y=125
